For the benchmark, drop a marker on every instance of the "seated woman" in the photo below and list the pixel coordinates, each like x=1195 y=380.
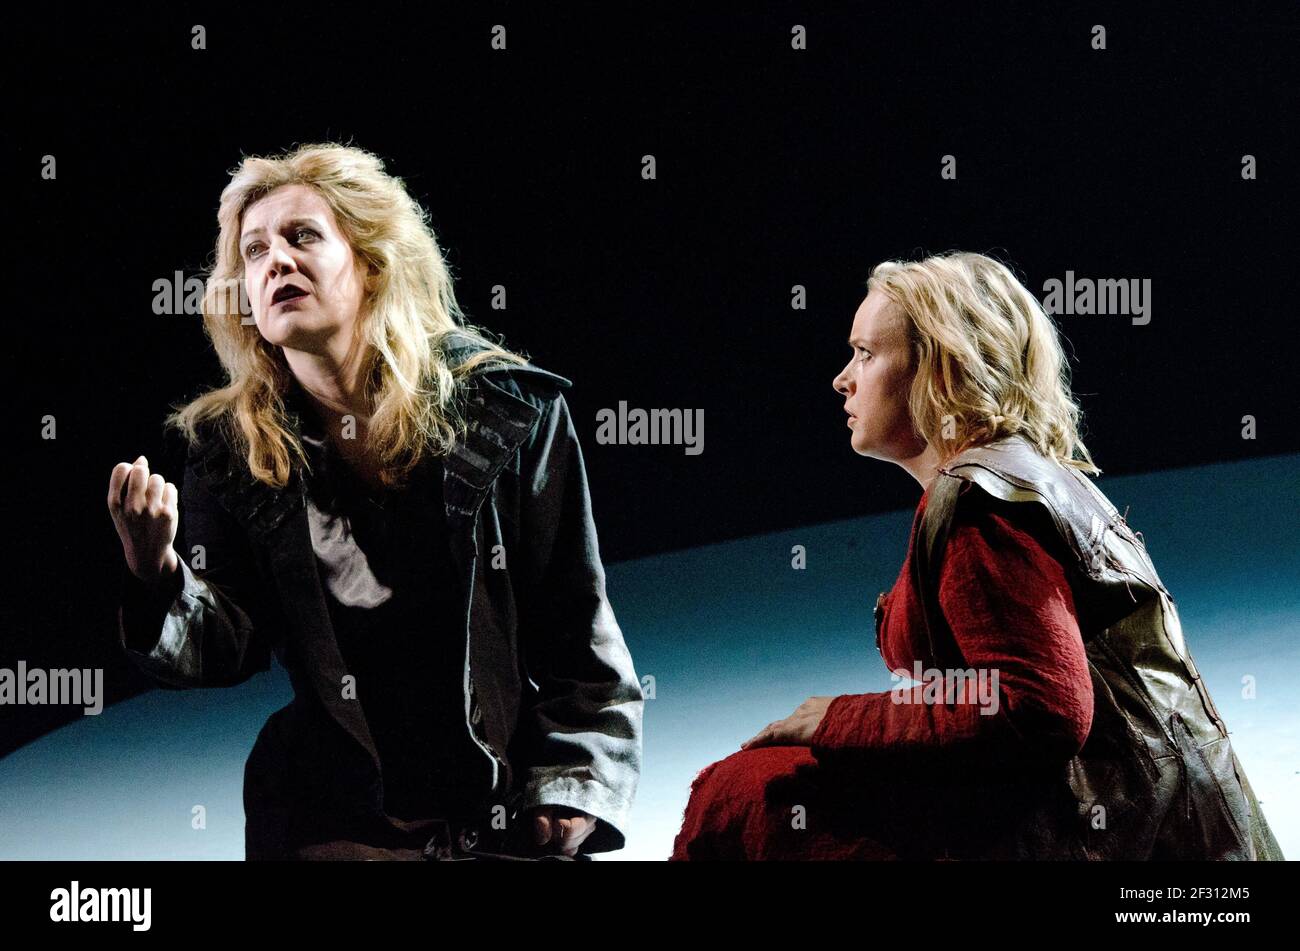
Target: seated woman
x=1058 y=712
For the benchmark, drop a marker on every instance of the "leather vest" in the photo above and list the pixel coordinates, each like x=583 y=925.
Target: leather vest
x=1157 y=777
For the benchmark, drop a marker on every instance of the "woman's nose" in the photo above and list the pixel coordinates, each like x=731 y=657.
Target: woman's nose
x=281 y=260
x=839 y=384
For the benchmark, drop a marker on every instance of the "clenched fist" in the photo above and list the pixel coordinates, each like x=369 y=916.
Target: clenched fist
x=145 y=510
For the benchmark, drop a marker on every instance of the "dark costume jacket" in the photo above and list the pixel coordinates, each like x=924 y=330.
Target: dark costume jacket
x=1157 y=777
x=551 y=699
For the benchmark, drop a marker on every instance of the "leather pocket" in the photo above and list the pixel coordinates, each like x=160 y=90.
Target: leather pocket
x=1220 y=827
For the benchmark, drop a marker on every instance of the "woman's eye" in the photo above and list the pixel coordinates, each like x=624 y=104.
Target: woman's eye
x=248 y=251
x=864 y=353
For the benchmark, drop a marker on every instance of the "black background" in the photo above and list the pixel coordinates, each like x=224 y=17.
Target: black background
x=775 y=167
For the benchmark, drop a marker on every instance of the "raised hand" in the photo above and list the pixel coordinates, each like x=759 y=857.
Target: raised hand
x=145 y=509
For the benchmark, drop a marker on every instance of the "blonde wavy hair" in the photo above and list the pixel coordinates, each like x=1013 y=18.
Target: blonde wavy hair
x=408 y=310
x=987 y=357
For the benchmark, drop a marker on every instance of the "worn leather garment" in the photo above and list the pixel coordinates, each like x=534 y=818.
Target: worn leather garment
x=1157 y=777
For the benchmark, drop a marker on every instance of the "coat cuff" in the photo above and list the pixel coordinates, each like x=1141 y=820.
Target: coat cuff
x=154 y=627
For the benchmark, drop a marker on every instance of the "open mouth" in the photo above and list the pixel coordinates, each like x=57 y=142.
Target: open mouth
x=287 y=293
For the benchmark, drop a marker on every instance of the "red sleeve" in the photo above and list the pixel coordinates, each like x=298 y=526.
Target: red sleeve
x=1010 y=608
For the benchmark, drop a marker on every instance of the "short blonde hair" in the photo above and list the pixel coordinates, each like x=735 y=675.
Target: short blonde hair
x=988 y=359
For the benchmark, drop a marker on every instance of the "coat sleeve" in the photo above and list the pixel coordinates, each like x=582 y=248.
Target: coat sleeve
x=583 y=732
x=1011 y=611
x=200 y=632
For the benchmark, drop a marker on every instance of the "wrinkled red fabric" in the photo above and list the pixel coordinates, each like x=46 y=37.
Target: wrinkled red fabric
x=889 y=780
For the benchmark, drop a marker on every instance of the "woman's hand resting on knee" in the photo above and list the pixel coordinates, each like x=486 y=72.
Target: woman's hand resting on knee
x=795 y=730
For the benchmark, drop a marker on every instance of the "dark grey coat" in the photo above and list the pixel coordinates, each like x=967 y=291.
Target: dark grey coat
x=550 y=694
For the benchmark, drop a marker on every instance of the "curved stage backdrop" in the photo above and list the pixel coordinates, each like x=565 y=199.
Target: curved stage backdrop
x=733 y=638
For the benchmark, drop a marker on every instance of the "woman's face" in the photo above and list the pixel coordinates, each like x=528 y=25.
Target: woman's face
x=290 y=239
x=876 y=382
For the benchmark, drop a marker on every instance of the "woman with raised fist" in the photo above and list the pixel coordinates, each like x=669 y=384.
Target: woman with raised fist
x=397 y=509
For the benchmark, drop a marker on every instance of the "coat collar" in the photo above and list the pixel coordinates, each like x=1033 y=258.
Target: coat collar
x=497 y=423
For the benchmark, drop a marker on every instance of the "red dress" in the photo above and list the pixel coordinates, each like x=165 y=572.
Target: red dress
x=890 y=780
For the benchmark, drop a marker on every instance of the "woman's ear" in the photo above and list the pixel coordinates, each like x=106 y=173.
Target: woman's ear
x=368 y=271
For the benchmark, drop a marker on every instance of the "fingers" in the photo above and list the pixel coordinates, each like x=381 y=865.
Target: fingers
x=116 y=484
x=171 y=499
x=119 y=485
x=137 y=483
x=134 y=491
x=542 y=828
x=137 y=478
x=565 y=833
x=579 y=829
x=153 y=493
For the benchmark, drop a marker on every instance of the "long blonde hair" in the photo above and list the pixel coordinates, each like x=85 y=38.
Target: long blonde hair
x=406 y=316
x=988 y=359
